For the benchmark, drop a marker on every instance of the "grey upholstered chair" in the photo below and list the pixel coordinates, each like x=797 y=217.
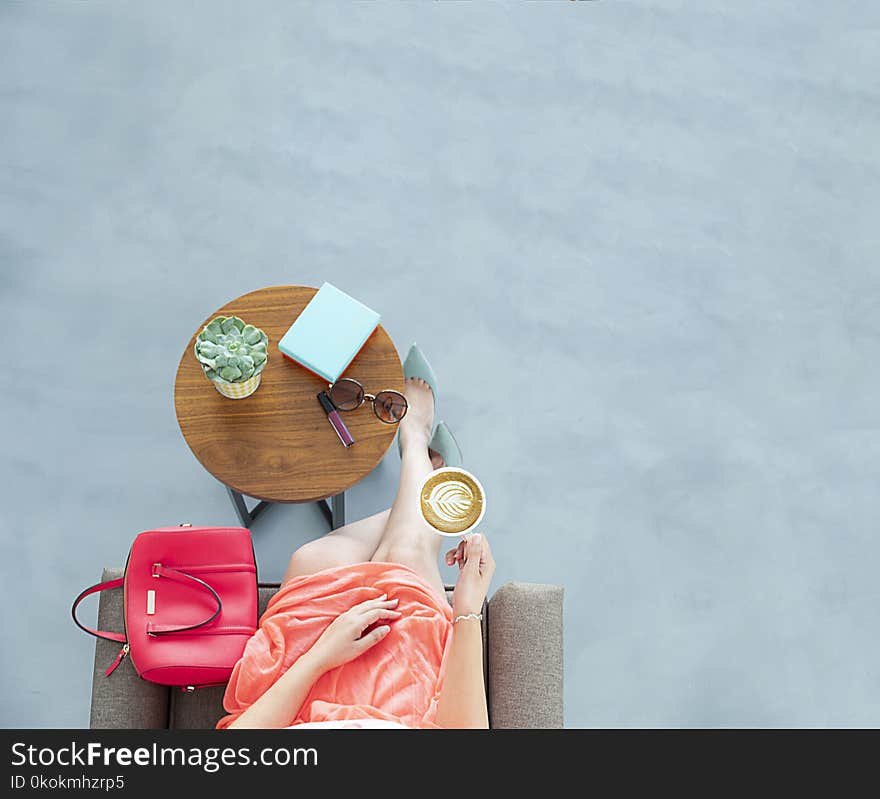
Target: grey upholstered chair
x=522 y=645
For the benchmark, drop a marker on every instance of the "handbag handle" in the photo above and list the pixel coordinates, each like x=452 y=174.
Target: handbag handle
x=98 y=587
x=158 y=571
x=173 y=574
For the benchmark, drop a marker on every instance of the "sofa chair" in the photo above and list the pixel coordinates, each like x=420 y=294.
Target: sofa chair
x=522 y=651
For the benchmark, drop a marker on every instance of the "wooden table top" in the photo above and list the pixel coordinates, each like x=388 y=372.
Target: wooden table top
x=277 y=443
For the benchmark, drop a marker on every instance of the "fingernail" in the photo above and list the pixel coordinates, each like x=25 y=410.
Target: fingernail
x=394 y=601
x=383 y=596
x=385 y=629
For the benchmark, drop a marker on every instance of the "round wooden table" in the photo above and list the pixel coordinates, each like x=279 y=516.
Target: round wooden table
x=277 y=445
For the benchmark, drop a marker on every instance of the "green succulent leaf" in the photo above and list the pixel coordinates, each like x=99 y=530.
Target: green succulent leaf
x=213 y=329
x=252 y=335
x=258 y=357
x=233 y=360
x=207 y=348
x=232 y=323
x=230 y=373
x=220 y=361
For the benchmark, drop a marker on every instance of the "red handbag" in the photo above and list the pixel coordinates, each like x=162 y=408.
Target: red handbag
x=189 y=604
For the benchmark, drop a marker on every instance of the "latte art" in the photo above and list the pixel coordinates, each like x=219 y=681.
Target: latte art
x=451 y=501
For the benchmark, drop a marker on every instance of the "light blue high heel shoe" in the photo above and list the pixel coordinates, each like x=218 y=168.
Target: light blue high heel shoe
x=416 y=365
x=442 y=442
x=445 y=445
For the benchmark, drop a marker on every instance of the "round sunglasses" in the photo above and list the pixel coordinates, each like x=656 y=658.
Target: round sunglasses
x=348 y=395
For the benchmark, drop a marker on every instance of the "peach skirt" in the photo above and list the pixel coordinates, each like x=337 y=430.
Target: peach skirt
x=398 y=680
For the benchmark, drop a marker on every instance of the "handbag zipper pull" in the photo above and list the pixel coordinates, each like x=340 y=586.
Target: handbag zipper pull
x=122 y=653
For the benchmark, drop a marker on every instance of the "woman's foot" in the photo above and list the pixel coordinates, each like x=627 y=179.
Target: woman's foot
x=416 y=426
x=436 y=459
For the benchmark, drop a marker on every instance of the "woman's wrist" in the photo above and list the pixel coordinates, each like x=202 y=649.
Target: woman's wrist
x=312 y=664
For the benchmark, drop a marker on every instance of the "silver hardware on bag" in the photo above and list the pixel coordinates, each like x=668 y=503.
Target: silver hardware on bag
x=190 y=689
x=156 y=567
x=151 y=603
x=185 y=524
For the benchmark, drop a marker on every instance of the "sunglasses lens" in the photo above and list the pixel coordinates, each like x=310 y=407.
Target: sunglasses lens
x=346 y=395
x=390 y=406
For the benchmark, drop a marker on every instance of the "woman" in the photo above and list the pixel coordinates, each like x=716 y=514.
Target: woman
x=360 y=633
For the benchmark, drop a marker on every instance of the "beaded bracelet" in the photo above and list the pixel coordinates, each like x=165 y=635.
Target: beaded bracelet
x=477 y=616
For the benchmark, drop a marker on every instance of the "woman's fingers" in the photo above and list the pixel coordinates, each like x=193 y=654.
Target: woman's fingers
x=372 y=616
x=453 y=555
x=487 y=551
x=456 y=555
x=378 y=602
x=473 y=554
x=488 y=561
x=372 y=638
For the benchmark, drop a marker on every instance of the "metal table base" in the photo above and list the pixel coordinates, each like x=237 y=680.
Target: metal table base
x=333 y=509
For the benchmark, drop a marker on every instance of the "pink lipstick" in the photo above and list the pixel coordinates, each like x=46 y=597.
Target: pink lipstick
x=335 y=420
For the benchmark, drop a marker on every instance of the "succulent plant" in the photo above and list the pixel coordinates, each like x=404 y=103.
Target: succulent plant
x=231 y=351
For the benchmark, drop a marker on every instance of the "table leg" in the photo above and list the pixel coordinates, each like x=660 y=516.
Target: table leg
x=337 y=512
x=245 y=516
x=334 y=510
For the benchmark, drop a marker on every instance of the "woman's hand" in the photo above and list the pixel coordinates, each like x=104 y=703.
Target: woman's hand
x=343 y=640
x=476 y=565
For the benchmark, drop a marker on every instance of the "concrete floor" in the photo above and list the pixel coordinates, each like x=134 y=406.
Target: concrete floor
x=634 y=238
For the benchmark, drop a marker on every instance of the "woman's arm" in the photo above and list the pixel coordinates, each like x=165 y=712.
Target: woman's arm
x=338 y=644
x=279 y=705
x=462 y=702
x=463 y=696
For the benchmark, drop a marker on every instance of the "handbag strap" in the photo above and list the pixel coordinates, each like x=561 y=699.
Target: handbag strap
x=187 y=579
x=117 y=583
x=158 y=571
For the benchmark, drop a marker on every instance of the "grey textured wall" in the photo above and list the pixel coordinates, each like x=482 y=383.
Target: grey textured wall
x=638 y=240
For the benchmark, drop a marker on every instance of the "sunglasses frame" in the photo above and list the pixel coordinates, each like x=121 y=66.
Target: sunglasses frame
x=371 y=397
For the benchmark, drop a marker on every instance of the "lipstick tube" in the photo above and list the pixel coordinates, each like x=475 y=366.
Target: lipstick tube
x=335 y=419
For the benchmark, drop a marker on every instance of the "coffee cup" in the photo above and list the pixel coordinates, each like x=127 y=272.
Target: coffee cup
x=452 y=501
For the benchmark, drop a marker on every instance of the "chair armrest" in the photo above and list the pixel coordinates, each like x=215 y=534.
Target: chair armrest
x=525 y=656
x=123 y=700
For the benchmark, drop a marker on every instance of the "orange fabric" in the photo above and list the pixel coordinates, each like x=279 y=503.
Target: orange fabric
x=398 y=680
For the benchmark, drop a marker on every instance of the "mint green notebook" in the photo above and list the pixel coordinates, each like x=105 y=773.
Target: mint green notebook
x=329 y=332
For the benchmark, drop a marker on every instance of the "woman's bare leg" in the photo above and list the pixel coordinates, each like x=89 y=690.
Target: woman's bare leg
x=353 y=543
x=396 y=535
x=406 y=538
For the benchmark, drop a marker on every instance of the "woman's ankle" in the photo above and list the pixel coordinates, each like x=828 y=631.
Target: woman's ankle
x=414 y=441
